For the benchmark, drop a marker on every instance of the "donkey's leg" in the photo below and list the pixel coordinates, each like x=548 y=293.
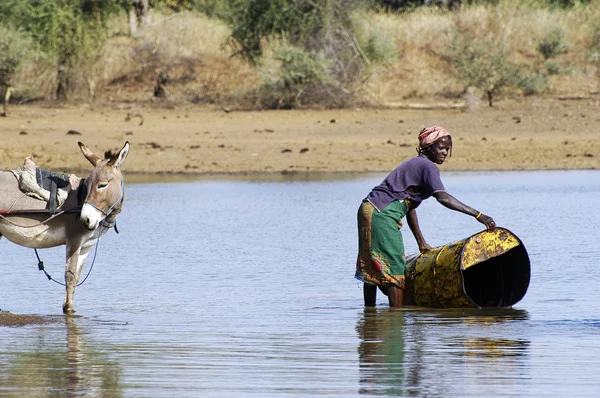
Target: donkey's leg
x=83 y=254
x=70 y=279
x=75 y=259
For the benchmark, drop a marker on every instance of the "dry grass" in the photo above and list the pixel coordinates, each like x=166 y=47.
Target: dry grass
x=190 y=49
x=423 y=38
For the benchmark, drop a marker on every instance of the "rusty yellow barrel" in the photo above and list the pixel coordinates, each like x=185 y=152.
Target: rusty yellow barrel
x=487 y=269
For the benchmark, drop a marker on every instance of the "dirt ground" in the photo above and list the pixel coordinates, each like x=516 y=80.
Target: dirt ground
x=190 y=139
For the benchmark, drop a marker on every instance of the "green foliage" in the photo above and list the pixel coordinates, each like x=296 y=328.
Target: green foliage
x=13 y=47
x=553 y=68
x=298 y=74
x=212 y=8
x=532 y=83
x=567 y=3
x=553 y=44
x=409 y=5
x=299 y=68
x=309 y=32
x=69 y=32
x=254 y=21
x=400 y=5
x=379 y=49
x=483 y=63
x=594 y=51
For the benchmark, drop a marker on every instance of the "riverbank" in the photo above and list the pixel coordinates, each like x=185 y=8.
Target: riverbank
x=541 y=134
x=8 y=319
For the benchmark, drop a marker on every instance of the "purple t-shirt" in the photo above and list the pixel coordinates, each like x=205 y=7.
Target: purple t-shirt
x=415 y=179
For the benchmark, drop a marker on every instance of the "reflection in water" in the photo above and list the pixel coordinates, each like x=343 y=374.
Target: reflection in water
x=381 y=352
x=405 y=351
x=50 y=370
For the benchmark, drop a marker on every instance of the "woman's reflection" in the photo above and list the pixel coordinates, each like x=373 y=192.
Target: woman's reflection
x=381 y=351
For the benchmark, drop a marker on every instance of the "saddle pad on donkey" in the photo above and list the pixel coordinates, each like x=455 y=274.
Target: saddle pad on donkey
x=42 y=184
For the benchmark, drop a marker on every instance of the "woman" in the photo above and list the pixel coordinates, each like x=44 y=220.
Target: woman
x=381 y=259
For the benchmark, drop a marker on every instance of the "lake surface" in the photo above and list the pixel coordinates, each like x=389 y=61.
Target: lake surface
x=246 y=289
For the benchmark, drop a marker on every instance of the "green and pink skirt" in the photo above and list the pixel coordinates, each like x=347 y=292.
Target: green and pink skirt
x=381 y=259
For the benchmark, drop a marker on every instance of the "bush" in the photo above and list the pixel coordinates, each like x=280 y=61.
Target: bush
x=379 y=49
x=553 y=44
x=212 y=8
x=408 y=5
x=299 y=68
x=483 y=64
x=594 y=52
x=309 y=32
x=532 y=83
x=298 y=78
x=13 y=47
x=563 y=4
x=553 y=68
x=72 y=33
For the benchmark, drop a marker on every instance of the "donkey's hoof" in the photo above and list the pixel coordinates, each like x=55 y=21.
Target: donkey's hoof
x=68 y=309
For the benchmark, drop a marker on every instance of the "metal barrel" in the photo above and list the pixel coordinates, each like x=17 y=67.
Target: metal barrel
x=487 y=269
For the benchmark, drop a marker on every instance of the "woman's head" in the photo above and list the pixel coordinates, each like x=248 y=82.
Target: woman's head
x=436 y=143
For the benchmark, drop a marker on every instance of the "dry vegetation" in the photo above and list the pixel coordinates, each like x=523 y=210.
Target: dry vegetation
x=191 y=50
x=423 y=39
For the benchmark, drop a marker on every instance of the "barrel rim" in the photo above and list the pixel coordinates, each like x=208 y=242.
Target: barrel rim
x=520 y=244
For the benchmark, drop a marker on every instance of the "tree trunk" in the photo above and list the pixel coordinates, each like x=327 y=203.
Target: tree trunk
x=159 y=88
x=5 y=92
x=140 y=15
x=92 y=87
x=63 y=82
x=133 y=24
x=145 y=16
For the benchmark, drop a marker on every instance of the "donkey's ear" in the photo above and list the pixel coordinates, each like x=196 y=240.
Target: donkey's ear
x=118 y=158
x=89 y=155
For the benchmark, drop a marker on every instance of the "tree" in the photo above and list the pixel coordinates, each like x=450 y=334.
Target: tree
x=67 y=31
x=13 y=47
x=140 y=11
x=140 y=14
x=483 y=64
x=318 y=49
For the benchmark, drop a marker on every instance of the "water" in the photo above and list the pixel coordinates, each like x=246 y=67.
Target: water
x=245 y=288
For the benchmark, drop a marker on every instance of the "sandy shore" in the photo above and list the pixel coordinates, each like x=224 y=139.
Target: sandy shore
x=534 y=135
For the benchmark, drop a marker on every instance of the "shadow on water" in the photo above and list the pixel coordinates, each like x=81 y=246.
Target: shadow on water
x=75 y=369
x=400 y=351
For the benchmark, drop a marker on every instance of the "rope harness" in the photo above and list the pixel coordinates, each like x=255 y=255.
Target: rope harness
x=41 y=266
x=109 y=210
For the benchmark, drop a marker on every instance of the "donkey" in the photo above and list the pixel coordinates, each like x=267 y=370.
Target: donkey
x=88 y=212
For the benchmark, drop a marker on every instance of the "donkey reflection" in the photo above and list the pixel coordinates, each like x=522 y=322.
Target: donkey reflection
x=89 y=210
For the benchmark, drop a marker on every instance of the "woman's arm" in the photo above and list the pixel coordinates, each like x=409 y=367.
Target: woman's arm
x=413 y=223
x=452 y=203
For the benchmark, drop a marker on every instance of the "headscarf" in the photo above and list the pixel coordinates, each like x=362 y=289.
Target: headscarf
x=429 y=135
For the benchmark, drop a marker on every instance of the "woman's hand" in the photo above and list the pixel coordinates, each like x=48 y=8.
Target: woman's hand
x=423 y=247
x=488 y=221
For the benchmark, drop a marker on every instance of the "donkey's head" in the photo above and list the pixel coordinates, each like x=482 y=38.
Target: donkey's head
x=105 y=187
